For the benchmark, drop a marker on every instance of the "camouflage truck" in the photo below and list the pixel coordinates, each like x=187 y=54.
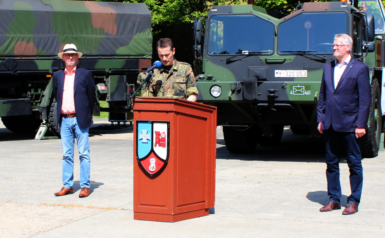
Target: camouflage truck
x=264 y=72
x=115 y=39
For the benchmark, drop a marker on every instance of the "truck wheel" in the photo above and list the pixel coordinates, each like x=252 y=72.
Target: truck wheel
x=370 y=143
x=52 y=119
x=22 y=124
x=240 y=140
x=274 y=139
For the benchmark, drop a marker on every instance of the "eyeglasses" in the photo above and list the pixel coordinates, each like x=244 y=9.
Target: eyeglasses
x=70 y=55
x=338 y=46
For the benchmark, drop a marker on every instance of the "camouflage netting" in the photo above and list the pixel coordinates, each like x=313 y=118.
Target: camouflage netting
x=43 y=27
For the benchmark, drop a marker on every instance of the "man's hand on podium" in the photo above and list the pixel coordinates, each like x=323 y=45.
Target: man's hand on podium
x=192 y=98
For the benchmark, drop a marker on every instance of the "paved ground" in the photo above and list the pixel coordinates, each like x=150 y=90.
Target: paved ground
x=275 y=192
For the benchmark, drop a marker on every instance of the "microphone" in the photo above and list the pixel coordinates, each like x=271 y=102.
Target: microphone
x=157 y=64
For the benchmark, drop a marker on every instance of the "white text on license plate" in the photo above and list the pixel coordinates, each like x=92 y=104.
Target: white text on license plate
x=290 y=73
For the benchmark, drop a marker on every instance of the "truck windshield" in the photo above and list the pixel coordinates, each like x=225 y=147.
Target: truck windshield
x=374 y=8
x=311 y=32
x=231 y=35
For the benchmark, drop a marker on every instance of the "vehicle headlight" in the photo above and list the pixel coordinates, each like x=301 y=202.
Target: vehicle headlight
x=215 y=91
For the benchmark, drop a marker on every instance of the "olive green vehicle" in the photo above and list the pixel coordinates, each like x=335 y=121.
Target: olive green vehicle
x=264 y=72
x=115 y=39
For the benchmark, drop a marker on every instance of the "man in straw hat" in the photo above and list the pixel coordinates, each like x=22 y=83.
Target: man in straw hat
x=74 y=91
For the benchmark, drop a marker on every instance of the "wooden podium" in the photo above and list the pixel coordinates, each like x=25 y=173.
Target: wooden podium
x=174 y=159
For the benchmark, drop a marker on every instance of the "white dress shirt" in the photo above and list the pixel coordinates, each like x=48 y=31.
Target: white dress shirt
x=339 y=70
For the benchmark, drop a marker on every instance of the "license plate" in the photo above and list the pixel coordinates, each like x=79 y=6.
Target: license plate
x=290 y=73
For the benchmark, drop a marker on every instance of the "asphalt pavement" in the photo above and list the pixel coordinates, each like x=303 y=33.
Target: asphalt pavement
x=274 y=192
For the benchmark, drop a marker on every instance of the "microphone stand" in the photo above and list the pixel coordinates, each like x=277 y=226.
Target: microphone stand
x=146 y=80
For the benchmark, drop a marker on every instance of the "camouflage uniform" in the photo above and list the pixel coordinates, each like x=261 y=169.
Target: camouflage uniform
x=179 y=82
x=145 y=91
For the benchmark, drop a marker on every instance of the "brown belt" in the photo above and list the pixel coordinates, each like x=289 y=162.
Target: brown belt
x=69 y=115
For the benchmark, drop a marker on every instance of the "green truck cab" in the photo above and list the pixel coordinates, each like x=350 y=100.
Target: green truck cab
x=115 y=39
x=264 y=72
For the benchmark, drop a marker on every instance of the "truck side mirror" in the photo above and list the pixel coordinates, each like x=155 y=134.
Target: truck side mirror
x=197 y=37
x=369 y=28
x=197 y=31
x=369 y=46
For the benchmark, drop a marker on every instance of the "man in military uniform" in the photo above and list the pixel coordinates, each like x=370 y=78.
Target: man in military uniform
x=173 y=79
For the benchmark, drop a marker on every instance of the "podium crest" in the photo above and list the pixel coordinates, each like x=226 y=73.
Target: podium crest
x=152 y=148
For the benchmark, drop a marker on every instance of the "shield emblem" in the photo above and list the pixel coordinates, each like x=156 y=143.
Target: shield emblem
x=152 y=146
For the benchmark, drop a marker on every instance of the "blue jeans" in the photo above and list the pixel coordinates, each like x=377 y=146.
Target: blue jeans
x=334 y=142
x=69 y=131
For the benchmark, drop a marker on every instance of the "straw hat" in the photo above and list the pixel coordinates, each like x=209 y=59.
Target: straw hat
x=69 y=49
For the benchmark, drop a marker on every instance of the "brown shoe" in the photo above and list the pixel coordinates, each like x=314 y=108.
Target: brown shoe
x=64 y=191
x=84 y=192
x=330 y=206
x=350 y=209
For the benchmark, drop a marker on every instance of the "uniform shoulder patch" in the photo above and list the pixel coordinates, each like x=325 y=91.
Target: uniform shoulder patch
x=184 y=63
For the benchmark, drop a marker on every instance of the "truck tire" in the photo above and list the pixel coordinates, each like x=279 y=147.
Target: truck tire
x=22 y=124
x=52 y=119
x=370 y=143
x=274 y=139
x=240 y=140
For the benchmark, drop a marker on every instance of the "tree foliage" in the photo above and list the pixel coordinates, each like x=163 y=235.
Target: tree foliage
x=180 y=11
x=282 y=6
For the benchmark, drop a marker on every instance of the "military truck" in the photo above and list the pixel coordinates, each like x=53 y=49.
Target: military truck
x=115 y=39
x=264 y=72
